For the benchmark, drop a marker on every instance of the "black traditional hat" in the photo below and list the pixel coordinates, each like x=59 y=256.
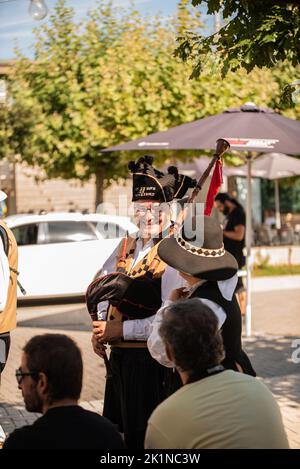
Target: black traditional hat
x=135 y=298
x=200 y=256
x=182 y=183
x=151 y=184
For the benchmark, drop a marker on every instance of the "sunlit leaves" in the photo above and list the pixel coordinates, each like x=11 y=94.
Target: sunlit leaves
x=115 y=78
x=259 y=33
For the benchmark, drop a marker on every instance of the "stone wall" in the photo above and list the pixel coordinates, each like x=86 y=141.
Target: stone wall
x=34 y=195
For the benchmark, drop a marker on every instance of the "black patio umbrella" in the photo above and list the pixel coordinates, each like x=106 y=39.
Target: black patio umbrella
x=248 y=128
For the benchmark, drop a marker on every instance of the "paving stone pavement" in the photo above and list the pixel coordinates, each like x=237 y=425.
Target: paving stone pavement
x=276 y=324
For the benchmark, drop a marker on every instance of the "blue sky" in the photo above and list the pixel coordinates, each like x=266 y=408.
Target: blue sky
x=16 y=23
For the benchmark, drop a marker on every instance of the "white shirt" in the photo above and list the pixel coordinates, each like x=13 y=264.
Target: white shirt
x=155 y=343
x=139 y=329
x=4 y=277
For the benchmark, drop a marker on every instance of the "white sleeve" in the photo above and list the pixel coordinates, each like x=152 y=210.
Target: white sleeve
x=170 y=280
x=137 y=329
x=4 y=277
x=219 y=312
x=155 y=344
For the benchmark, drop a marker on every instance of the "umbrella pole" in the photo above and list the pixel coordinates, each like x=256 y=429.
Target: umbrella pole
x=248 y=244
x=277 y=204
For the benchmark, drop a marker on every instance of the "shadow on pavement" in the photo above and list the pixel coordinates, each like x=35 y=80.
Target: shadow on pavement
x=272 y=360
x=72 y=320
x=51 y=301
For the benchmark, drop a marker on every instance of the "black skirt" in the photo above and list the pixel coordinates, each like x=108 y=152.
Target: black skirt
x=137 y=386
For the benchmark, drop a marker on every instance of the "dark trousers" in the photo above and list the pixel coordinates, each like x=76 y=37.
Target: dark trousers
x=4 y=349
x=138 y=384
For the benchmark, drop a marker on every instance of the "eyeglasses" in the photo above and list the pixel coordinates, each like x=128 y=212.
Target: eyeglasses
x=155 y=208
x=20 y=374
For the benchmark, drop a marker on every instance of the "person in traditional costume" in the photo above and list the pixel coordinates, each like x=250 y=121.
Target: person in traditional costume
x=198 y=253
x=133 y=285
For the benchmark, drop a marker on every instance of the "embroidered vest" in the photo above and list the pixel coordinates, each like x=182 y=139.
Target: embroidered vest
x=140 y=269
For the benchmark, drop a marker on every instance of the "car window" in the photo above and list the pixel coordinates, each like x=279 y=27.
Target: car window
x=66 y=231
x=26 y=234
x=108 y=230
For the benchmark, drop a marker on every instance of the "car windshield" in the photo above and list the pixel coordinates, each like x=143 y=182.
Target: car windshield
x=66 y=231
x=26 y=234
x=107 y=230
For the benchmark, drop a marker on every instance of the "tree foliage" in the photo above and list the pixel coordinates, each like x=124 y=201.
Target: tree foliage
x=112 y=79
x=90 y=86
x=259 y=33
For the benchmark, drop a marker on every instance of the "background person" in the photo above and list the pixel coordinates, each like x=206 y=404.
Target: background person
x=210 y=272
x=234 y=236
x=215 y=408
x=269 y=219
x=8 y=288
x=50 y=378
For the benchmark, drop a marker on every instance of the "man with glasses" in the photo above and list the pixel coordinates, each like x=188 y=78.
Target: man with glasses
x=50 y=378
x=138 y=382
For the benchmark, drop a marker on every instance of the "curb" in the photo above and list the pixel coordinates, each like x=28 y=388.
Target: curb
x=282 y=282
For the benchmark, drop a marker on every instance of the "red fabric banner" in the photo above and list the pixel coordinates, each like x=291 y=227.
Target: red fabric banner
x=215 y=184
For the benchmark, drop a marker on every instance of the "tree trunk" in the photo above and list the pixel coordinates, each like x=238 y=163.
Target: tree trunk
x=99 y=187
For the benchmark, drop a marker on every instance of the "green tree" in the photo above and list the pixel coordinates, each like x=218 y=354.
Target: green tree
x=91 y=86
x=110 y=80
x=187 y=18
x=259 y=33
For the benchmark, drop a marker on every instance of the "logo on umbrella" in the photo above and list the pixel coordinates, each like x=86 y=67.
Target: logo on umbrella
x=153 y=144
x=251 y=142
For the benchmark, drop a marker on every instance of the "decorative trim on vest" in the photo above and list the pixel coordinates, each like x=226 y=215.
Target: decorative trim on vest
x=139 y=270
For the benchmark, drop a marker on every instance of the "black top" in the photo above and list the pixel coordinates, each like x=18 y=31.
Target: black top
x=233 y=219
x=231 y=329
x=69 y=427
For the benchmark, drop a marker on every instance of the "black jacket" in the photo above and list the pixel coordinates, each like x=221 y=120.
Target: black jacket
x=69 y=427
x=231 y=329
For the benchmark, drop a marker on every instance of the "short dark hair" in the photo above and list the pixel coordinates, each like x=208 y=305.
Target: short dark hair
x=190 y=329
x=223 y=197
x=60 y=359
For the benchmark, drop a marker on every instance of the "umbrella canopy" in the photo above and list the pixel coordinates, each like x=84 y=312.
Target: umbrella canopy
x=271 y=166
x=248 y=128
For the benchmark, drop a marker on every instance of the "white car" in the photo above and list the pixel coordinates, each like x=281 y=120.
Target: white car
x=60 y=253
